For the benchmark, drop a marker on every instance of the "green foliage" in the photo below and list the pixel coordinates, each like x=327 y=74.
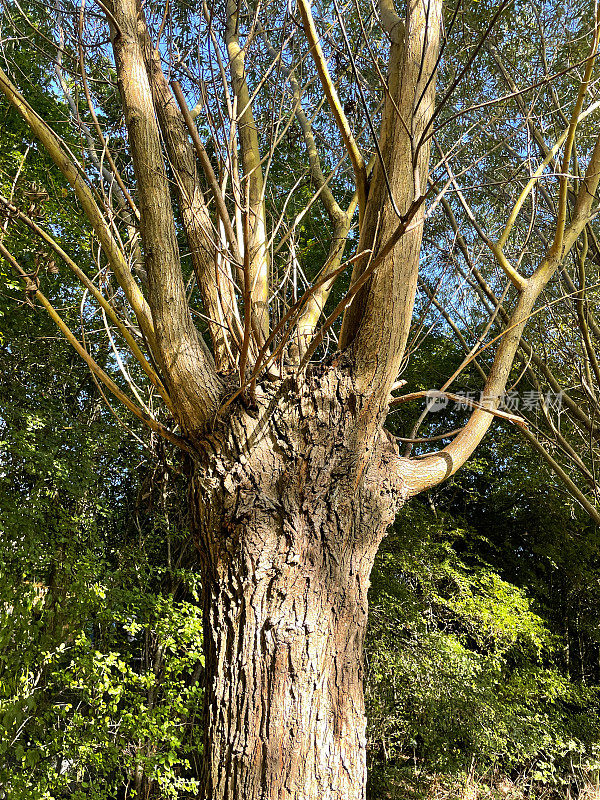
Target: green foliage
x=82 y=715
x=100 y=643
x=100 y=624
x=484 y=635
x=465 y=662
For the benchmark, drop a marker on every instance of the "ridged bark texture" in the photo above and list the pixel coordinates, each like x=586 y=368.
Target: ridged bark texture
x=290 y=512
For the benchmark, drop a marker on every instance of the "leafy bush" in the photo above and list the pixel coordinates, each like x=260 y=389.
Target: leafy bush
x=463 y=668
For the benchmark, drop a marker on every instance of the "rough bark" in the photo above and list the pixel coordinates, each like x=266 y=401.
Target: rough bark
x=289 y=512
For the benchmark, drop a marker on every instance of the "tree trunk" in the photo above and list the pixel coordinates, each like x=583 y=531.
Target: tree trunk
x=289 y=510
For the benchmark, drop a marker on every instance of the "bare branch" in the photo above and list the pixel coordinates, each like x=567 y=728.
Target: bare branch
x=376 y=324
x=113 y=254
x=105 y=305
x=217 y=294
x=356 y=158
x=259 y=267
x=98 y=372
x=188 y=366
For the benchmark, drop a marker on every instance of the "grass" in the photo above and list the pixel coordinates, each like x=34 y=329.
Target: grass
x=404 y=783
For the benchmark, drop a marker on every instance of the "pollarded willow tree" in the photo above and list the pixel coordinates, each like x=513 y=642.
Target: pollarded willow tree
x=259 y=256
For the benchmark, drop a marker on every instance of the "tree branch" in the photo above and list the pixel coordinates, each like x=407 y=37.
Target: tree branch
x=113 y=253
x=192 y=381
x=104 y=304
x=217 y=294
x=97 y=371
x=431 y=470
x=376 y=324
x=250 y=152
x=356 y=158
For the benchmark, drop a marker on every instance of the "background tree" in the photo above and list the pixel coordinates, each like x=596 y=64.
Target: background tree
x=293 y=477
